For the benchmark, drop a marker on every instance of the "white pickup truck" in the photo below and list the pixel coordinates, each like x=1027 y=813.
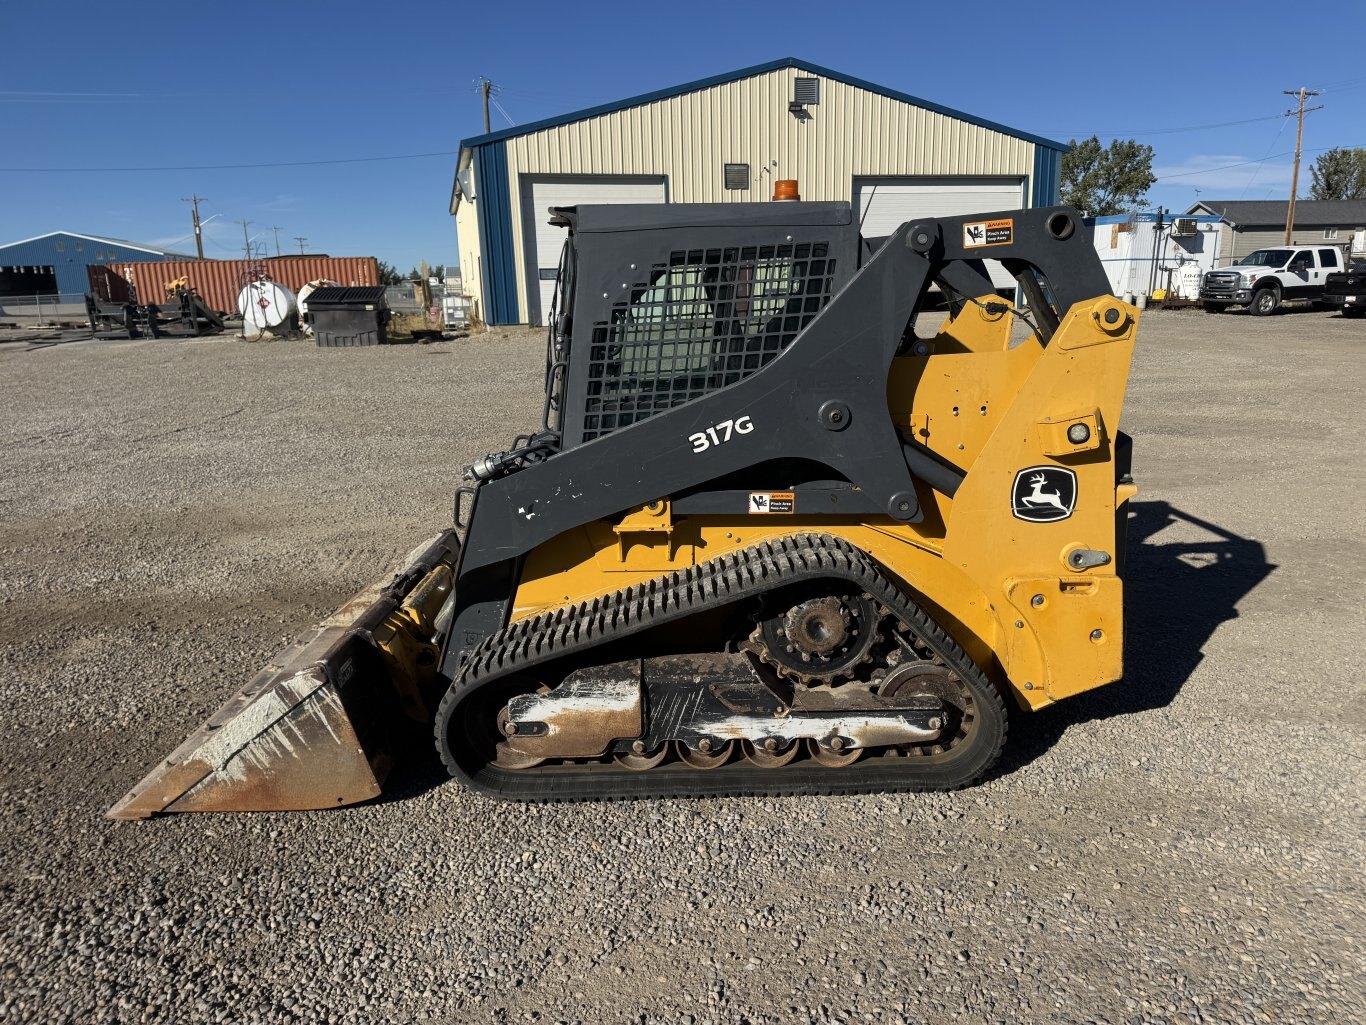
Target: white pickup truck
x=1263 y=280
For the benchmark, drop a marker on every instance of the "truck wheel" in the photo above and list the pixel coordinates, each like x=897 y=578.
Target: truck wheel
x=1214 y=307
x=1266 y=302
x=1354 y=312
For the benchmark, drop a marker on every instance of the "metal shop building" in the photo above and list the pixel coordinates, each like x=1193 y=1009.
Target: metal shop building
x=55 y=263
x=1260 y=224
x=726 y=139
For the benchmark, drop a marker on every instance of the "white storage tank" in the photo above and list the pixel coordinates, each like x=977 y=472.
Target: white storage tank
x=264 y=305
x=304 y=293
x=1188 y=280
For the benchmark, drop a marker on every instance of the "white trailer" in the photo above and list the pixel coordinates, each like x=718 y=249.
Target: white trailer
x=1147 y=252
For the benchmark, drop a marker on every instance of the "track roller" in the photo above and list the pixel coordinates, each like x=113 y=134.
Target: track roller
x=708 y=754
x=770 y=753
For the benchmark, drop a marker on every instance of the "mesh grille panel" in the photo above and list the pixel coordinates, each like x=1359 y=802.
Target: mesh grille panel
x=736 y=176
x=706 y=319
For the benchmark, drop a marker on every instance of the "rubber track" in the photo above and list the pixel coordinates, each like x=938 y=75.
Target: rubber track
x=731 y=578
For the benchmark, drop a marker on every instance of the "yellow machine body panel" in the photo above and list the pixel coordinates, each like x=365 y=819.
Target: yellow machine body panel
x=1037 y=604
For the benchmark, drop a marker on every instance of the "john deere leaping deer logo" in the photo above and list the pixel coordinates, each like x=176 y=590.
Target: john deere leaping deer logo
x=1043 y=494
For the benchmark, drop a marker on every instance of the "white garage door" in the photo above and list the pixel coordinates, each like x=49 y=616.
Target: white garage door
x=544 y=241
x=884 y=204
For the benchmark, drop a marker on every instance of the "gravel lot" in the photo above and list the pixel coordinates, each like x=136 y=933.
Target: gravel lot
x=1184 y=847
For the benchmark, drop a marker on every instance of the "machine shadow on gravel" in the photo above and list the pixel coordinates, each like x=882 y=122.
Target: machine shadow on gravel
x=1176 y=595
x=418 y=771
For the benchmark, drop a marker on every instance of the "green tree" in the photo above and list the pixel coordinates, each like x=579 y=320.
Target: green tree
x=1339 y=174
x=388 y=273
x=1113 y=179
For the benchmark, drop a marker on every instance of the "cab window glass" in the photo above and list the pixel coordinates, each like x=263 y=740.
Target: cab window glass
x=1328 y=257
x=1266 y=258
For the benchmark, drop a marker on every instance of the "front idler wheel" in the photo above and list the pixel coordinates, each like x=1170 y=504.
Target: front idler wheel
x=974 y=721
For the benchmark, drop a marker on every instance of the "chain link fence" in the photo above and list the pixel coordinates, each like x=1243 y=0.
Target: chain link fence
x=41 y=310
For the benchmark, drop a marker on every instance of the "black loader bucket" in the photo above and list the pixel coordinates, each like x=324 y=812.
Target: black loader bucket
x=316 y=728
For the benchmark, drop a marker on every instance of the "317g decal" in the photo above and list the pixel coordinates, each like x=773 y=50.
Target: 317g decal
x=720 y=433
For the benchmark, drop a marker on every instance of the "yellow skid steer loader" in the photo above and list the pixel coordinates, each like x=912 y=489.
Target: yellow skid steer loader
x=767 y=538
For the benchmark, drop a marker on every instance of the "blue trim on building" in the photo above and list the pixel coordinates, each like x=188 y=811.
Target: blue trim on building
x=1152 y=218
x=493 y=210
x=760 y=69
x=1047 y=176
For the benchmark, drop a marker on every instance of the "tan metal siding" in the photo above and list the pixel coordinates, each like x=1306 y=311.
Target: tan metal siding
x=467 y=243
x=1226 y=242
x=1245 y=242
x=688 y=138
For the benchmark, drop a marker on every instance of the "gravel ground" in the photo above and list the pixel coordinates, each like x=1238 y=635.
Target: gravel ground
x=1183 y=847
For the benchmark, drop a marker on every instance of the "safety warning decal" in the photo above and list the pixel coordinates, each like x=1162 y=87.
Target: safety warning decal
x=989 y=233
x=772 y=502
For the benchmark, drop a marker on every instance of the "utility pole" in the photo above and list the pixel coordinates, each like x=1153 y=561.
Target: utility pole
x=301 y=240
x=246 y=242
x=276 y=228
x=1303 y=94
x=488 y=90
x=194 y=202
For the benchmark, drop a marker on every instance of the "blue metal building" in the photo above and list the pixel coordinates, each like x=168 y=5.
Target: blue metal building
x=56 y=263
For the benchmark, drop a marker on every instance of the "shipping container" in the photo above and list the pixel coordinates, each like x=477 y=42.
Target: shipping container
x=218 y=282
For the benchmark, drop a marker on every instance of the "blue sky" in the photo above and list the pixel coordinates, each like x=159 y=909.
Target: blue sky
x=168 y=85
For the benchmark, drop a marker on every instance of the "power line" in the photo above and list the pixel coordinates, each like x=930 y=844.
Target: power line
x=503 y=112
x=1244 y=163
x=1164 y=131
x=230 y=167
x=1221 y=167
x=1342 y=84
x=1262 y=163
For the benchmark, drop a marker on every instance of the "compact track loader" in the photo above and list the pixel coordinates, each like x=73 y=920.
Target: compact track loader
x=767 y=539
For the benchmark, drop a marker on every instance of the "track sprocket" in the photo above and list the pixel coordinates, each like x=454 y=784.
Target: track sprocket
x=820 y=640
